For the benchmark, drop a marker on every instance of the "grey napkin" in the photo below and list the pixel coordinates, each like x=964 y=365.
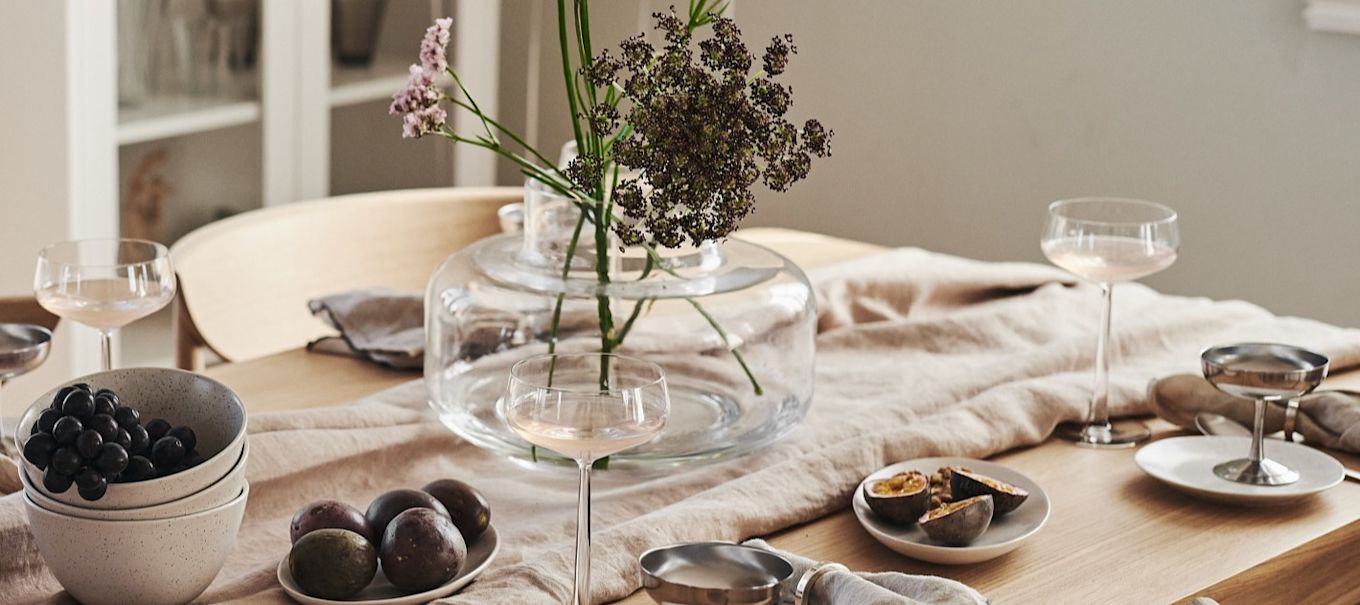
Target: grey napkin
x=382 y=325
x=1329 y=419
x=883 y=588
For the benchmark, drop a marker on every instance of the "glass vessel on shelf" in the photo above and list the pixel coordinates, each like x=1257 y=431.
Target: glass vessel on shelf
x=493 y=303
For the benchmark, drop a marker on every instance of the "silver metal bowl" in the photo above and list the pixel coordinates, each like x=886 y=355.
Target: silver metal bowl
x=713 y=573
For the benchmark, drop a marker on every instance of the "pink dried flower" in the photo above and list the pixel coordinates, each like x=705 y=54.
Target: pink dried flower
x=419 y=93
x=434 y=47
x=421 y=122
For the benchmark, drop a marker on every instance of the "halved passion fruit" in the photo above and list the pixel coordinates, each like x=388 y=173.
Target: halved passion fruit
x=899 y=499
x=959 y=522
x=966 y=484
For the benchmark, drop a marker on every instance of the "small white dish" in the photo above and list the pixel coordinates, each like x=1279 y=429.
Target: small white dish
x=1187 y=464
x=1005 y=534
x=381 y=592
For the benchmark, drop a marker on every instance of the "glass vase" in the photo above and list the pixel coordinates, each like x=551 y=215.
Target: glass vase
x=732 y=323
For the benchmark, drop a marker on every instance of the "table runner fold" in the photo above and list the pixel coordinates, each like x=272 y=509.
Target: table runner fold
x=919 y=354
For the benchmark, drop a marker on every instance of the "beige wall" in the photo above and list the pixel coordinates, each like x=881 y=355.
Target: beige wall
x=957 y=121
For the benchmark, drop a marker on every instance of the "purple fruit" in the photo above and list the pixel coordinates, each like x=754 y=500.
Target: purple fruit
x=329 y=514
x=386 y=507
x=421 y=549
x=467 y=507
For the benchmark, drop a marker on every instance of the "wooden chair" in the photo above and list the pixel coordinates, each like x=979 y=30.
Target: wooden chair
x=26 y=310
x=245 y=281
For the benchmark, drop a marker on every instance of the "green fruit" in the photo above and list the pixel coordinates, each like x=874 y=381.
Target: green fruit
x=467 y=508
x=386 y=507
x=332 y=563
x=422 y=549
x=959 y=522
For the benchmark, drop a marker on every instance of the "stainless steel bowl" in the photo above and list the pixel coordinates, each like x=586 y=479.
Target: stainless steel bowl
x=713 y=573
x=23 y=347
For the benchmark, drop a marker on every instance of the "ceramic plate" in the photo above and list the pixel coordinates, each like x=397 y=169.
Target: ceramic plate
x=1187 y=464
x=382 y=592
x=1005 y=534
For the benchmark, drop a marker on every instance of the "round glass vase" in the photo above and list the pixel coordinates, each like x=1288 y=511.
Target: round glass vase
x=494 y=302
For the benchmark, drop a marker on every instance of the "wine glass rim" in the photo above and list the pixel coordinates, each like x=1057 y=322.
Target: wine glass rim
x=640 y=384
x=162 y=252
x=1171 y=214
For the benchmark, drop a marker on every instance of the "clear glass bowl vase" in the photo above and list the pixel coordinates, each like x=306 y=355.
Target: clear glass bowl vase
x=493 y=303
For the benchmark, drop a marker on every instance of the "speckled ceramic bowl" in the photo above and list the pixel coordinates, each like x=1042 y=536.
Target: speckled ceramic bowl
x=181 y=398
x=161 y=562
x=213 y=496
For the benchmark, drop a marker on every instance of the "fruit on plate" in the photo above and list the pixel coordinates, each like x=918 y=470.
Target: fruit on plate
x=959 y=522
x=900 y=499
x=329 y=514
x=1006 y=497
x=466 y=506
x=84 y=433
x=386 y=507
x=421 y=549
x=332 y=563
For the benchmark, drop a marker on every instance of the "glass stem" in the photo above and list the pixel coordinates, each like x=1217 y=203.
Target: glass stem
x=583 y=537
x=106 y=349
x=1100 y=395
x=1258 y=430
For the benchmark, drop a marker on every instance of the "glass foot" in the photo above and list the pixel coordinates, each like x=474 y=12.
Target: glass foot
x=1115 y=435
x=1265 y=472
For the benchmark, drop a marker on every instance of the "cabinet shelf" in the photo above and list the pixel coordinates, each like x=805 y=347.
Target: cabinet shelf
x=353 y=85
x=165 y=117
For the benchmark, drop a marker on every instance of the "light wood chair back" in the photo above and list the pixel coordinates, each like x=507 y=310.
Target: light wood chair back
x=245 y=281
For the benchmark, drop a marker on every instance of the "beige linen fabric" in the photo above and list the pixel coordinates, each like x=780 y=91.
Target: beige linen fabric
x=919 y=354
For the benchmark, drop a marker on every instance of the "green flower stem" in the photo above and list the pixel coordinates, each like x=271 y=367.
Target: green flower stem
x=723 y=335
x=566 y=70
x=510 y=133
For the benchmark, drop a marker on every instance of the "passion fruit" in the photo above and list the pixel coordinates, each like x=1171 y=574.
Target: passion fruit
x=386 y=507
x=467 y=507
x=332 y=563
x=421 y=549
x=960 y=522
x=328 y=514
x=899 y=499
x=1007 y=497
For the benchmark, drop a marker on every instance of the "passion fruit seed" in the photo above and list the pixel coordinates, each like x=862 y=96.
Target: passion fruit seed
x=958 y=523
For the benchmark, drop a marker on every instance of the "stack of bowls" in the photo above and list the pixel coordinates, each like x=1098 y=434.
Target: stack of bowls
x=153 y=542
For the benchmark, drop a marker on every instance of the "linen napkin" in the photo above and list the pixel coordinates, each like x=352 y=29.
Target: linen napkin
x=1329 y=419
x=382 y=325
x=861 y=588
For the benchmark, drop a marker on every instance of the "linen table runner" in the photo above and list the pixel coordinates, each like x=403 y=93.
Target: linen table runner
x=919 y=354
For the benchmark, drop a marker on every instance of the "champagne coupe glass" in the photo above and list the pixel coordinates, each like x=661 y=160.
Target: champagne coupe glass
x=1108 y=240
x=1262 y=372
x=23 y=347
x=104 y=283
x=585 y=406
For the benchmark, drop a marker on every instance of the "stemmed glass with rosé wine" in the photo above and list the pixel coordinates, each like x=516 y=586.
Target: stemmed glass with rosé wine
x=1108 y=240
x=104 y=283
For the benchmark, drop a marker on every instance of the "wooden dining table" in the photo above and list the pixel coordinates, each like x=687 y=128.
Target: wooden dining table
x=1115 y=535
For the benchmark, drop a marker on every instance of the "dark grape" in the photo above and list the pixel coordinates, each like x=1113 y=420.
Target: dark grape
x=79 y=404
x=83 y=386
x=34 y=430
x=156 y=429
x=66 y=461
x=123 y=438
x=138 y=440
x=55 y=482
x=96 y=492
x=47 y=419
x=88 y=444
x=39 y=450
x=104 y=404
x=139 y=468
x=126 y=416
x=192 y=459
x=167 y=452
x=112 y=459
x=185 y=435
x=60 y=397
x=105 y=424
x=67 y=429
x=110 y=393
x=87 y=477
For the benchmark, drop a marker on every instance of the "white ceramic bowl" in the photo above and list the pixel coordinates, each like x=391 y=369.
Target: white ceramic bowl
x=212 y=410
x=1004 y=535
x=212 y=496
x=160 y=562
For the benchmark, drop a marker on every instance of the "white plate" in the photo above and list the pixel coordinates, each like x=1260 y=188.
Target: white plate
x=382 y=592
x=1005 y=534
x=1187 y=464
